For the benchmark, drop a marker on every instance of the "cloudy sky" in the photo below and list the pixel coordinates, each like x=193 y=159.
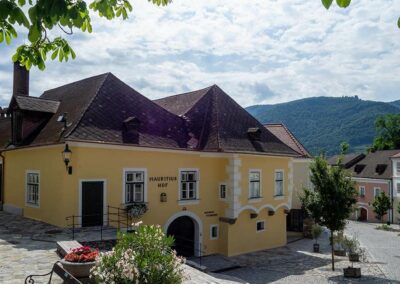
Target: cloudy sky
x=259 y=51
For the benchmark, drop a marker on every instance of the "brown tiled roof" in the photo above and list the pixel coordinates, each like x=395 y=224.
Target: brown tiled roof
x=205 y=120
x=287 y=137
x=5 y=132
x=216 y=122
x=37 y=104
x=375 y=165
x=397 y=155
x=348 y=160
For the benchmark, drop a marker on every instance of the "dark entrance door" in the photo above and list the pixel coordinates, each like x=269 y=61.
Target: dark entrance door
x=363 y=214
x=182 y=229
x=92 y=203
x=295 y=220
x=1 y=181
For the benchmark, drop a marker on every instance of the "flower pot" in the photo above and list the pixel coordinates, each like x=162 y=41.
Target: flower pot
x=316 y=247
x=78 y=269
x=339 y=252
x=354 y=257
x=352 y=272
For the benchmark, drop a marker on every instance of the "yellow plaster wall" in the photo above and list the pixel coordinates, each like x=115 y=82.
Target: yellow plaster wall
x=243 y=236
x=301 y=179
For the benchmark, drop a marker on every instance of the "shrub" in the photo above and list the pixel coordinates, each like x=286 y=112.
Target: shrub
x=316 y=232
x=144 y=256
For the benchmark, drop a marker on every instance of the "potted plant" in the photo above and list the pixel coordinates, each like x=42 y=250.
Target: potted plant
x=338 y=244
x=352 y=246
x=316 y=232
x=136 y=210
x=79 y=261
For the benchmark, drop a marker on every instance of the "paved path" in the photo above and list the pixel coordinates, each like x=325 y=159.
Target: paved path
x=382 y=245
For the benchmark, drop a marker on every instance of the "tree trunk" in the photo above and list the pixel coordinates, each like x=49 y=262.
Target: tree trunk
x=333 y=257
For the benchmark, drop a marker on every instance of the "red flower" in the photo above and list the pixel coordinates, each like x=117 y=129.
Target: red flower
x=82 y=254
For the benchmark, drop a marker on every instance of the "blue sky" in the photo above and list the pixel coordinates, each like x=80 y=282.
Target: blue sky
x=260 y=51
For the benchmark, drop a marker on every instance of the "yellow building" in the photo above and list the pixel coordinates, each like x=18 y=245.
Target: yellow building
x=208 y=172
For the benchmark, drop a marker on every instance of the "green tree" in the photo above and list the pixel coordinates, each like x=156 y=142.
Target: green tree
x=39 y=17
x=344 y=4
x=387 y=132
x=381 y=205
x=332 y=200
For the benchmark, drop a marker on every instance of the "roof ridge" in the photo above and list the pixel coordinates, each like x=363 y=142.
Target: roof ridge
x=215 y=96
x=298 y=143
x=37 y=98
x=88 y=105
x=205 y=116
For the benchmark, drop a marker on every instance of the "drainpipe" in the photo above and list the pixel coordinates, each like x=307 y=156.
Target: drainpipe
x=2 y=180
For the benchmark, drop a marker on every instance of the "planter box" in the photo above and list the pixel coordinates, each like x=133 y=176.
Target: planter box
x=78 y=269
x=354 y=257
x=339 y=252
x=316 y=247
x=352 y=272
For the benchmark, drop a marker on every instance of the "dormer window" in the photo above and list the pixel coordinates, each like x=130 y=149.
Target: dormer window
x=359 y=168
x=130 y=130
x=380 y=168
x=254 y=133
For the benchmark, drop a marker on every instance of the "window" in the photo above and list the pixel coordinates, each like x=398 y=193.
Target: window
x=32 y=188
x=134 y=186
x=377 y=191
x=189 y=180
x=362 y=191
x=255 y=184
x=398 y=188
x=214 y=232
x=278 y=183
x=260 y=226
x=398 y=168
x=222 y=191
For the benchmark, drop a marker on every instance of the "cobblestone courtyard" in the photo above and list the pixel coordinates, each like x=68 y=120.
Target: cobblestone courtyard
x=28 y=247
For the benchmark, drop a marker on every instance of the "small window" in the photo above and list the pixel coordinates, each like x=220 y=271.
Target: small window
x=362 y=191
x=134 y=186
x=279 y=183
x=398 y=168
x=222 y=191
x=255 y=184
x=32 y=188
x=398 y=188
x=260 y=226
x=189 y=180
x=214 y=232
x=377 y=191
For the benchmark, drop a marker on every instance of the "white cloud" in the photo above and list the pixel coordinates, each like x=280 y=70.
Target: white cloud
x=259 y=51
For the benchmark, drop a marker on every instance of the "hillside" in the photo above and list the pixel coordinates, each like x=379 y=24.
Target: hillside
x=322 y=123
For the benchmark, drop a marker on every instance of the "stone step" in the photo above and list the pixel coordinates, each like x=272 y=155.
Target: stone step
x=65 y=247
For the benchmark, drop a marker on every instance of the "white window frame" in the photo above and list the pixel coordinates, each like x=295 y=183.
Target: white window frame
x=398 y=188
x=129 y=170
x=375 y=189
x=220 y=190
x=197 y=189
x=263 y=229
x=260 y=182
x=398 y=168
x=361 y=189
x=211 y=231
x=283 y=183
x=27 y=203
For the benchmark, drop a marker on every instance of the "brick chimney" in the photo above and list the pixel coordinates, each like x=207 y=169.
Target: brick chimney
x=21 y=80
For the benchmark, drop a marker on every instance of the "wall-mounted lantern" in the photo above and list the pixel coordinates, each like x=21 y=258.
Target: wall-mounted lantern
x=253 y=215
x=66 y=154
x=163 y=197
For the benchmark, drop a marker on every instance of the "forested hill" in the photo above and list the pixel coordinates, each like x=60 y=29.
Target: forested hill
x=322 y=123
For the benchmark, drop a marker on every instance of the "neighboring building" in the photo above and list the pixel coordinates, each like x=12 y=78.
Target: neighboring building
x=301 y=174
x=396 y=187
x=373 y=173
x=209 y=173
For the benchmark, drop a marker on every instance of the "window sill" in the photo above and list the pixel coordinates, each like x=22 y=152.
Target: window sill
x=260 y=231
x=188 y=201
x=279 y=197
x=32 y=205
x=255 y=199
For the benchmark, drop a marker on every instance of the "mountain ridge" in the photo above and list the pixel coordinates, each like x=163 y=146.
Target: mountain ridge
x=322 y=123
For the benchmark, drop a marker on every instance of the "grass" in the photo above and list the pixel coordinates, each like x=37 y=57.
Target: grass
x=385 y=227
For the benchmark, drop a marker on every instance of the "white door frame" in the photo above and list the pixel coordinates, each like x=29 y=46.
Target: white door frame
x=104 y=181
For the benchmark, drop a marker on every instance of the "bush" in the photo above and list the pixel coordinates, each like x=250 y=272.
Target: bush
x=316 y=232
x=144 y=256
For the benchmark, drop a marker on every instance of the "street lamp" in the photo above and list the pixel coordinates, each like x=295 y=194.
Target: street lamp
x=66 y=154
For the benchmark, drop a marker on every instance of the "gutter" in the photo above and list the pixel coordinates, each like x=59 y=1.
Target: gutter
x=2 y=180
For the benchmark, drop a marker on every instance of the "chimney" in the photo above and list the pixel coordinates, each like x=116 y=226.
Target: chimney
x=21 y=80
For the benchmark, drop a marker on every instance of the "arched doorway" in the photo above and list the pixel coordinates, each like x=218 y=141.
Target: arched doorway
x=183 y=231
x=363 y=214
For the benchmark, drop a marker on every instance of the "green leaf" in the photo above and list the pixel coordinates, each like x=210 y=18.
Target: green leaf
x=398 y=22
x=61 y=55
x=21 y=2
x=32 y=14
x=34 y=33
x=343 y=3
x=327 y=3
x=8 y=37
x=54 y=55
x=73 y=53
x=1 y=36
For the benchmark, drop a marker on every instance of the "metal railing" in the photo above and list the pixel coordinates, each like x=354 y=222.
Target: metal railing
x=115 y=218
x=197 y=252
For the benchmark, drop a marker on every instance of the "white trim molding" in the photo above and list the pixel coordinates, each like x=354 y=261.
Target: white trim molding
x=27 y=204
x=198 y=229
x=264 y=225
x=371 y=180
x=104 y=181
x=258 y=210
x=256 y=198
x=145 y=189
